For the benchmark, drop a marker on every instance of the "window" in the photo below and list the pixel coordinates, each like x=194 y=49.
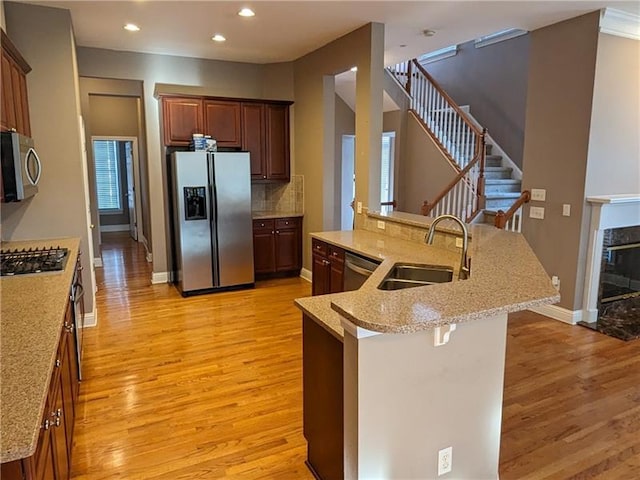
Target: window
x=386 y=170
x=105 y=155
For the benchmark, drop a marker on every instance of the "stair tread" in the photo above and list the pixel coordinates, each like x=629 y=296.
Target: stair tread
x=502 y=195
x=493 y=157
x=502 y=181
x=498 y=169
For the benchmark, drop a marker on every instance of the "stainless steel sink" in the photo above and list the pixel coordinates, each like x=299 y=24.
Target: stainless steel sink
x=408 y=275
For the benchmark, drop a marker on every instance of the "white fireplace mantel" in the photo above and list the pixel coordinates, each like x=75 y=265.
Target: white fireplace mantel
x=607 y=211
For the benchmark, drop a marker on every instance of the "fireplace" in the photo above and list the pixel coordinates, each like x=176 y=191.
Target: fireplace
x=612 y=284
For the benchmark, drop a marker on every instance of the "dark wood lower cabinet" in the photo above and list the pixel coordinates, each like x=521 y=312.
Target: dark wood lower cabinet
x=322 y=397
x=277 y=246
x=327 y=268
x=52 y=458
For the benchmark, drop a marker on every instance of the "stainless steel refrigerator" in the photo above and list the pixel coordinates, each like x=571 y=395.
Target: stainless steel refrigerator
x=213 y=232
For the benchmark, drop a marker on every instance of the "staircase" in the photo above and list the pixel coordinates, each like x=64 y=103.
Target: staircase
x=485 y=187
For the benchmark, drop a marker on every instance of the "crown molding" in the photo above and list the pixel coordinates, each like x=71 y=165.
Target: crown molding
x=619 y=23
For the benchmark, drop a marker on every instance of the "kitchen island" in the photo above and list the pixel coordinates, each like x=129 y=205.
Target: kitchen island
x=38 y=365
x=423 y=367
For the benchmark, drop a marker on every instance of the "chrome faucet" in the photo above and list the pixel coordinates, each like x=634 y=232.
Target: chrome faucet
x=464 y=272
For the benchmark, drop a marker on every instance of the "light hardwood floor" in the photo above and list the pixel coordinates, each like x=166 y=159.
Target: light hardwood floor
x=209 y=387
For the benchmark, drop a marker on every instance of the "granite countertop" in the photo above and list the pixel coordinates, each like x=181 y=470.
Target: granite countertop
x=32 y=309
x=506 y=276
x=267 y=214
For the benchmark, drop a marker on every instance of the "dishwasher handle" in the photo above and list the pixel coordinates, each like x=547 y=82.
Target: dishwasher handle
x=357 y=269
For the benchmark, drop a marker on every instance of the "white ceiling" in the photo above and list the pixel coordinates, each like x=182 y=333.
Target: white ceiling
x=285 y=30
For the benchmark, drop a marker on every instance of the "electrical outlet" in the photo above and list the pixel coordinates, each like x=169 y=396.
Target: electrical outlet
x=538 y=194
x=359 y=207
x=566 y=210
x=458 y=242
x=445 y=460
x=555 y=281
x=536 y=212
x=380 y=224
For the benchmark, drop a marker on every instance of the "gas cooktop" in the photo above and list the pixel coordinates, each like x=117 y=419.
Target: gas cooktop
x=20 y=262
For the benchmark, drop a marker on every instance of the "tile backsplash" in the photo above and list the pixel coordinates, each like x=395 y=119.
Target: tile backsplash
x=279 y=197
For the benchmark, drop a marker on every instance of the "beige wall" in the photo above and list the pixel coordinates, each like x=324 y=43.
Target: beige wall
x=110 y=88
x=315 y=123
x=2 y=21
x=112 y=116
x=424 y=170
x=345 y=125
x=59 y=209
x=560 y=92
x=211 y=77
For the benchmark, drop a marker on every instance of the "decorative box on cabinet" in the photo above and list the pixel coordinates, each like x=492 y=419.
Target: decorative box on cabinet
x=277 y=246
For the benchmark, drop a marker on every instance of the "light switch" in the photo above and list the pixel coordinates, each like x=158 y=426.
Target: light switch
x=536 y=212
x=538 y=194
x=359 y=207
x=566 y=210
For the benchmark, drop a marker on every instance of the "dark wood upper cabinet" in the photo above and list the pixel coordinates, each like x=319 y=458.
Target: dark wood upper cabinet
x=182 y=117
x=253 y=138
x=277 y=141
x=222 y=122
x=15 y=102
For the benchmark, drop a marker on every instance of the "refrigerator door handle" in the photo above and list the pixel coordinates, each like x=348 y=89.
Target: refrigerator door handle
x=213 y=217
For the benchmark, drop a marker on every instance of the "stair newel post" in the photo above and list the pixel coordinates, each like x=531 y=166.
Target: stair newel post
x=426 y=208
x=500 y=220
x=409 y=75
x=481 y=179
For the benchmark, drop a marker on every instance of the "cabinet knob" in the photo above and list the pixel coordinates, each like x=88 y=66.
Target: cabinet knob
x=46 y=424
x=286 y=223
x=272 y=232
x=58 y=363
x=278 y=232
x=262 y=224
x=58 y=417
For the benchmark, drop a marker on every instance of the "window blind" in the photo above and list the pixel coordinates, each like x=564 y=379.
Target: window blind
x=105 y=154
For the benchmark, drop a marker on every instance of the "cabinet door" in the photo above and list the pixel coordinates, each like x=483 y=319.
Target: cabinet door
x=222 y=122
x=277 y=141
x=8 y=109
x=59 y=436
x=335 y=256
x=182 y=117
x=24 y=105
x=253 y=138
x=264 y=251
x=320 y=268
x=287 y=249
x=69 y=378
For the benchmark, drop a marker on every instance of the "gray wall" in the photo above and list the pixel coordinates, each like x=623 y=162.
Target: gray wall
x=44 y=37
x=315 y=123
x=205 y=77
x=493 y=81
x=424 y=170
x=560 y=92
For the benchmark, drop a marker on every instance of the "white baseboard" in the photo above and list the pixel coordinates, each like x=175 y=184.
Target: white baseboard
x=97 y=262
x=558 y=313
x=159 y=277
x=306 y=274
x=91 y=319
x=114 y=228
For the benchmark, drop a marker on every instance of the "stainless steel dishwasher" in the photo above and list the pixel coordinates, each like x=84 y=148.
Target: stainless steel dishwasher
x=357 y=270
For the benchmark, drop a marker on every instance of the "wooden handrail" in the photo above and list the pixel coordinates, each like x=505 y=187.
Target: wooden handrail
x=503 y=217
x=449 y=100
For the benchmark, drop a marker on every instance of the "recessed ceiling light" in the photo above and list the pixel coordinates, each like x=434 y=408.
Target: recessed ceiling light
x=132 y=27
x=428 y=33
x=218 y=38
x=354 y=69
x=246 y=12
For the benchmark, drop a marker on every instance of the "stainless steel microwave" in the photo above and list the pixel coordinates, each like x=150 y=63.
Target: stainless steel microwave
x=21 y=167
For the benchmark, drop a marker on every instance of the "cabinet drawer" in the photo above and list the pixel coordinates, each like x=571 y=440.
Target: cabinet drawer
x=319 y=247
x=286 y=222
x=266 y=224
x=335 y=253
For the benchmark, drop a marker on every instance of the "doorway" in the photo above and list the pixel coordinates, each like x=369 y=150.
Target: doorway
x=118 y=198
